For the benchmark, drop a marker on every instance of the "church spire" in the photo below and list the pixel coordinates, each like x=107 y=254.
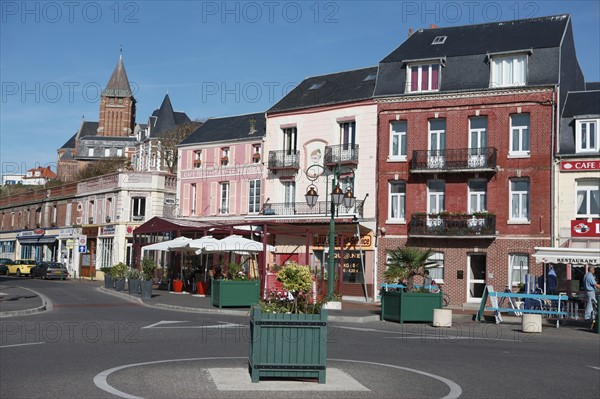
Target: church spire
x=118 y=85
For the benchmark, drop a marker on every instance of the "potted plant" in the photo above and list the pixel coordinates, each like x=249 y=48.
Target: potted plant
x=118 y=272
x=296 y=323
x=133 y=281
x=148 y=268
x=410 y=304
x=235 y=289
x=108 y=280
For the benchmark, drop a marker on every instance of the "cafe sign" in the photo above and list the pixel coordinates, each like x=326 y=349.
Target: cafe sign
x=579 y=166
x=582 y=228
x=366 y=242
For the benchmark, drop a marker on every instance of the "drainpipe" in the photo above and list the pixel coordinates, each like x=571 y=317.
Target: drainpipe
x=553 y=168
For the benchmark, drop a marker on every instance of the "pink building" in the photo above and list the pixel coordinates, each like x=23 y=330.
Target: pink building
x=221 y=169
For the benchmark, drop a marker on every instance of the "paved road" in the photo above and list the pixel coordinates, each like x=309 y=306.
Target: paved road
x=90 y=344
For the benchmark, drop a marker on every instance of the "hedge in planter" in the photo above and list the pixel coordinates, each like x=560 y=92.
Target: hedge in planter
x=133 y=281
x=108 y=279
x=118 y=272
x=288 y=337
x=237 y=293
x=148 y=268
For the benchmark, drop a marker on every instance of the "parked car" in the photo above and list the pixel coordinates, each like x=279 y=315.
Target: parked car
x=21 y=267
x=48 y=270
x=3 y=265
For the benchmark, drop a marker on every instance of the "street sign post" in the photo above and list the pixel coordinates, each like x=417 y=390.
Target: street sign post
x=82 y=249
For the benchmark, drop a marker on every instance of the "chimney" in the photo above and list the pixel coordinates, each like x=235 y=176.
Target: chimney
x=432 y=26
x=252 y=126
x=410 y=32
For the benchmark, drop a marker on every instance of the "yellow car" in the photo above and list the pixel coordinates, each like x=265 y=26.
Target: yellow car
x=21 y=267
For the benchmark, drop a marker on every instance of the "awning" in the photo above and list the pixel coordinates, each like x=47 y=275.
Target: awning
x=36 y=240
x=574 y=256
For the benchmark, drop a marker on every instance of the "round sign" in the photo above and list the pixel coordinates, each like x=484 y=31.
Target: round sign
x=82 y=240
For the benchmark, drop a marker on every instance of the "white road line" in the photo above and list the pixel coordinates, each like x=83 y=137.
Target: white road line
x=422 y=335
x=30 y=343
x=222 y=325
x=164 y=322
x=594 y=367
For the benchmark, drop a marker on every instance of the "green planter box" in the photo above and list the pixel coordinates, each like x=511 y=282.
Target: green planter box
x=243 y=293
x=409 y=306
x=288 y=345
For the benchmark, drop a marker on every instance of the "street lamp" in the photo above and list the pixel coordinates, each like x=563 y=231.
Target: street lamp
x=337 y=198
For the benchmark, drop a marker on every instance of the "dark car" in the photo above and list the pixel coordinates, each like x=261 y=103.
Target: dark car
x=3 y=265
x=48 y=270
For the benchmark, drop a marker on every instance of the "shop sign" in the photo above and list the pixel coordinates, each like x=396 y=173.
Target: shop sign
x=582 y=228
x=351 y=265
x=107 y=230
x=66 y=233
x=366 y=241
x=70 y=243
x=39 y=232
x=579 y=166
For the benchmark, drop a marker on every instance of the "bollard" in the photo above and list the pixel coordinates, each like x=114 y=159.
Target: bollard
x=442 y=317
x=531 y=323
x=74 y=274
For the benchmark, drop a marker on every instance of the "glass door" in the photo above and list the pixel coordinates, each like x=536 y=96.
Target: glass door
x=476 y=277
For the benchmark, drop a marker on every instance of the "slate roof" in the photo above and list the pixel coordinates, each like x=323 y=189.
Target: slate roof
x=494 y=37
x=335 y=88
x=230 y=128
x=70 y=143
x=67 y=156
x=118 y=85
x=86 y=129
x=582 y=103
x=592 y=86
x=165 y=118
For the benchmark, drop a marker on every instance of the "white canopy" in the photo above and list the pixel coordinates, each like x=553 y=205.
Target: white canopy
x=203 y=244
x=574 y=256
x=237 y=244
x=165 y=245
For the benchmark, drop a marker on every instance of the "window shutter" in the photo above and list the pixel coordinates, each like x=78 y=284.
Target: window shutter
x=232 y=197
x=214 y=198
x=185 y=205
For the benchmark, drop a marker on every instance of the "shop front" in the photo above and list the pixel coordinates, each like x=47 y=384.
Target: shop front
x=87 y=254
x=37 y=245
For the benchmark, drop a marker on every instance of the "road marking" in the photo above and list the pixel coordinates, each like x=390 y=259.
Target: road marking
x=221 y=325
x=422 y=335
x=100 y=380
x=31 y=343
x=594 y=367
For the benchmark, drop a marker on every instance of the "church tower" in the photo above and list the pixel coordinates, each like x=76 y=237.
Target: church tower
x=117 y=105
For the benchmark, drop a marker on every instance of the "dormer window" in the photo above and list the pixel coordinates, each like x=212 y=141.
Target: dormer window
x=439 y=40
x=423 y=78
x=586 y=135
x=316 y=86
x=508 y=70
x=370 y=77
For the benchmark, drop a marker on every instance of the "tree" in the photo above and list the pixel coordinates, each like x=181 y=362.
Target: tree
x=171 y=138
x=406 y=263
x=103 y=167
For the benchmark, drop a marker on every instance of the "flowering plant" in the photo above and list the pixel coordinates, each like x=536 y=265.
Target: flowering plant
x=297 y=282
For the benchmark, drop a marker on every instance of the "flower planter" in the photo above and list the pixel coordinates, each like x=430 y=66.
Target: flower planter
x=108 y=281
x=409 y=306
x=134 y=286
x=244 y=293
x=177 y=285
x=146 y=289
x=201 y=288
x=120 y=284
x=288 y=345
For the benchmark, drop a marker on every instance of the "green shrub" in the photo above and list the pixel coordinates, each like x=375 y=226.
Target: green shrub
x=148 y=268
x=118 y=270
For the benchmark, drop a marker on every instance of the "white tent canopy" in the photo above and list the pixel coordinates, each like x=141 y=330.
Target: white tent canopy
x=237 y=244
x=574 y=256
x=165 y=245
x=203 y=244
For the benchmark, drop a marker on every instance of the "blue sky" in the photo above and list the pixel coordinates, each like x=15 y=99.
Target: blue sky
x=213 y=58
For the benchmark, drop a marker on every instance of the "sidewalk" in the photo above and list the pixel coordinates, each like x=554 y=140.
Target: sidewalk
x=18 y=301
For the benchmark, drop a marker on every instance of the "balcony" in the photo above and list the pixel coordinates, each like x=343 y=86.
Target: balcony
x=321 y=208
x=458 y=160
x=284 y=160
x=343 y=154
x=481 y=225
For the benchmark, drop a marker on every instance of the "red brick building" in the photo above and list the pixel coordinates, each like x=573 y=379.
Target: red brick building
x=467 y=129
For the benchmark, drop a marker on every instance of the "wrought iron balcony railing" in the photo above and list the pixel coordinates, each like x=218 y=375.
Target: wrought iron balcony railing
x=321 y=208
x=283 y=159
x=344 y=154
x=463 y=159
x=466 y=225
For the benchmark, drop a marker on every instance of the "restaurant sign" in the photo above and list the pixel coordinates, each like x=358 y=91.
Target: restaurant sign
x=366 y=241
x=579 y=166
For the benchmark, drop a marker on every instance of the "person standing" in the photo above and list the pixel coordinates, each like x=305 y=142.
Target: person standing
x=590 y=285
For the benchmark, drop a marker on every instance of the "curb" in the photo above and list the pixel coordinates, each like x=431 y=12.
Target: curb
x=200 y=310
x=354 y=319
x=121 y=295
x=46 y=305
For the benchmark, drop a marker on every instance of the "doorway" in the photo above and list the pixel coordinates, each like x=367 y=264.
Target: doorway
x=476 y=277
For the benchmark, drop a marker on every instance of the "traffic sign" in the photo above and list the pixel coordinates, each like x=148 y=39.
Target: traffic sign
x=82 y=240
x=82 y=248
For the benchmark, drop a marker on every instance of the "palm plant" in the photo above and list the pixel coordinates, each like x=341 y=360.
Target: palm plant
x=406 y=263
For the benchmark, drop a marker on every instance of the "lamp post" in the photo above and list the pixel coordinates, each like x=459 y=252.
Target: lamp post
x=337 y=198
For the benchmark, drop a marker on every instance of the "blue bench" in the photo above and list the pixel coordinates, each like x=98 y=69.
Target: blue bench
x=539 y=297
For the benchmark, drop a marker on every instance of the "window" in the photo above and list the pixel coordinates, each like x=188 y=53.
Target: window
x=7 y=247
x=369 y=77
x=435 y=196
x=90 y=152
x=254 y=196
x=138 y=209
x=224 y=198
x=588 y=198
x=106 y=252
x=397 y=201
x=289 y=193
x=508 y=71
x=197 y=159
x=316 y=86
x=423 y=78
x=224 y=156
x=437 y=144
x=519 y=135
x=290 y=136
x=398 y=140
x=519 y=200
x=586 y=136
x=153 y=160
x=437 y=272
x=256 y=153
x=478 y=134
x=107 y=152
x=477 y=196
x=119 y=152
x=439 y=40
x=54 y=215
x=193 y=195
x=348 y=135
x=519 y=267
